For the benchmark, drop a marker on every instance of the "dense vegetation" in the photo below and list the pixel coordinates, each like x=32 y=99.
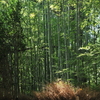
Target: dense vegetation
x=43 y=40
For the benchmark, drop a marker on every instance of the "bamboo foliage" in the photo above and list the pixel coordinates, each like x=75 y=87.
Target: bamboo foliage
x=42 y=41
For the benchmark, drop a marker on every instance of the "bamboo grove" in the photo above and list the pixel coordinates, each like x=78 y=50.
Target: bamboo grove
x=45 y=40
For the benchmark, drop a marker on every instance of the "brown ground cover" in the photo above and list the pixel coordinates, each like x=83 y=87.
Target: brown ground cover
x=58 y=91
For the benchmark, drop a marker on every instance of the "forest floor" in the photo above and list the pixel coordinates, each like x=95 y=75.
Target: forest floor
x=58 y=91
x=64 y=91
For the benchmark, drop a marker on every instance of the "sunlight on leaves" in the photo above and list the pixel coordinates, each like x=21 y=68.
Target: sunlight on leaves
x=32 y=15
x=85 y=48
x=62 y=71
x=59 y=71
x=3 y=2
x=39 y=1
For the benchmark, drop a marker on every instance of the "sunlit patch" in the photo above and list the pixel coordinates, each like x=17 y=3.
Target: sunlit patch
x=32 y=15
x=80 y=89
x=4 y=2
x=52 y=7
x=39 y=1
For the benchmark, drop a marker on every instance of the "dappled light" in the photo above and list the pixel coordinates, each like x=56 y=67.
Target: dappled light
x=49 y=49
